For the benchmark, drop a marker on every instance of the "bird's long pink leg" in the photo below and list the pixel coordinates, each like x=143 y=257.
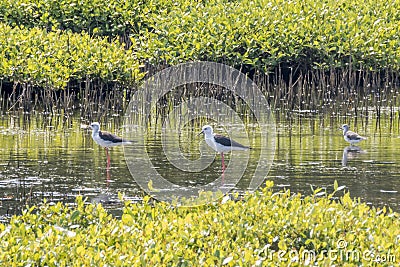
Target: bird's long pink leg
x=108 y=177
x=108 y=159
x=223 y=162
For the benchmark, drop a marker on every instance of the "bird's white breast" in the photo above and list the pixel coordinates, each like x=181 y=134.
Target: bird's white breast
x=211 y=143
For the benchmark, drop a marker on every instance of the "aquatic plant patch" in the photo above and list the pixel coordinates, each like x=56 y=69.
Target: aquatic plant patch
x=258 y=229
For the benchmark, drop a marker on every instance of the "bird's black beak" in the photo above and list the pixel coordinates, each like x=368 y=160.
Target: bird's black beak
x=200 y=133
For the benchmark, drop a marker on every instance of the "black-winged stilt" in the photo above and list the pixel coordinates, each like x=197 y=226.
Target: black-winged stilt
x=350 y=136
x=106 y=140
x=220 y=143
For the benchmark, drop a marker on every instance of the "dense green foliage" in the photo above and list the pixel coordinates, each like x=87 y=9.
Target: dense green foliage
x=262 y=34
x=322 y=44
x=105 y=18
x=248 y=232
x=52 y=59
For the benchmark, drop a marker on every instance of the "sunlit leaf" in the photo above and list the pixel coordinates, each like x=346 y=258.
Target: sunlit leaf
x=227 y=260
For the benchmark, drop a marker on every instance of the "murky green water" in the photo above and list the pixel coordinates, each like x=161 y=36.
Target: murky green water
x=47 y=157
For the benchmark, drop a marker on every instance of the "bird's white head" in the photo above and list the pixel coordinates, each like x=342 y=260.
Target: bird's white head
x=345 y=128
x=207 y=130
x=95 y=126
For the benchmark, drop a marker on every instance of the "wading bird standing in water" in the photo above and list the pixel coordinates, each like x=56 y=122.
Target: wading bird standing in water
x=106 y=140
x=220 y=143
x=350 y=136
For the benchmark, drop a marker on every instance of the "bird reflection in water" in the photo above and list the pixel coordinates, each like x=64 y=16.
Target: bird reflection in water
x=351 y=152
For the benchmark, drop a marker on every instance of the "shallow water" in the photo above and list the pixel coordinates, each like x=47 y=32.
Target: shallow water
x=311 y=153
x=48 y=158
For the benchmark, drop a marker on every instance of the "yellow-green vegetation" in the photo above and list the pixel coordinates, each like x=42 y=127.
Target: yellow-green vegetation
x=262 y=34
x=265 y=33
x=263 y=228
x=104 y=18
x=53 y=59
